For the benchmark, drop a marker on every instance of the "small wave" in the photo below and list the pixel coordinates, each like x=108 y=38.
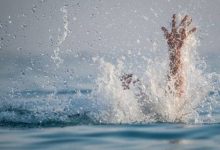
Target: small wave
x=72 y=107
x=37 y=93
x=72 y=120
x=46 y=108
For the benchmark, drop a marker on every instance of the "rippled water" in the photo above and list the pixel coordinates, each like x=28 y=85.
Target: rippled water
x=32 y=124
x=60 y=69
x=97 y=137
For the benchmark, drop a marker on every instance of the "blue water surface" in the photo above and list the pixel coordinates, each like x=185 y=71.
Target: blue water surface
x=97 y=137
x=30 y=121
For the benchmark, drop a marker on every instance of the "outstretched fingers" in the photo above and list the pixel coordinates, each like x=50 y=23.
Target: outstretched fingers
x=183 y=21
x=189 y=21
x=179 y=32
x=192 y=30
x=174 y=22
x=166 y=33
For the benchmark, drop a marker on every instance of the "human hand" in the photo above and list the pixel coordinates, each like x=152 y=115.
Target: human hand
x=175 y=38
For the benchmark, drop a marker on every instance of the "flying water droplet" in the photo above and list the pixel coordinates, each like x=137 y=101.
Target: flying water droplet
x=19 y=48
x=23 y=26
x=34 y=8
x=14 y=37
x=9 y=20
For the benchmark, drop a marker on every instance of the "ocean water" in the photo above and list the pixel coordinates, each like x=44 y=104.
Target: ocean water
x=29 y=121
x=61 y=64
x=96 y=137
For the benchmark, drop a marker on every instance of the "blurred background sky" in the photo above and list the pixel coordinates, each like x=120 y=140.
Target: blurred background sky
x=35 y=53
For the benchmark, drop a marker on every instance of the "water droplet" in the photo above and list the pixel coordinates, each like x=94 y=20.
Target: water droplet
x=24 y=26
x=87 y=32
x=94 y=59
x=65 y=82
x=74 y=18
x=34 y=8
x=19 y=48
x=29 y=68
x=145 y=18
x=9 y=20
x=51 y=38
x=89 y=76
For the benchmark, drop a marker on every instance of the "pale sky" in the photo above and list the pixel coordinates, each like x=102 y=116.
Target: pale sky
x=32 y=30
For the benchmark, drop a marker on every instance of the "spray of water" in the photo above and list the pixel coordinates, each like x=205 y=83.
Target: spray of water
x=61 y=38
x=148 y=101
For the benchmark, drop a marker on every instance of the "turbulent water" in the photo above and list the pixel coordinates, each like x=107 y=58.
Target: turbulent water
x=109 y=103
x=45 y=102
x=154 y=104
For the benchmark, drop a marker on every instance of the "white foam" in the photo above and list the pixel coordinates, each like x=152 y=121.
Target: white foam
x=123 y=106
x=61 y=38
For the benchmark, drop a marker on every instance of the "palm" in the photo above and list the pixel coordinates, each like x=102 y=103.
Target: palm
x=175 y=40
x=178 y=34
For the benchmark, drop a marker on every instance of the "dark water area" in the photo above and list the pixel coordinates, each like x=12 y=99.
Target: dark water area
x=31 y=124
x=96 y=137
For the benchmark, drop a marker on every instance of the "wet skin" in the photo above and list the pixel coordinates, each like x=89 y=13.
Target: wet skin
x=176 y=39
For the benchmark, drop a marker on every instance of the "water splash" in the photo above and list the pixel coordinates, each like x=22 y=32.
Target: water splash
x=127 y=106
x=116 y=104
x=61 y=38
x=109 y=103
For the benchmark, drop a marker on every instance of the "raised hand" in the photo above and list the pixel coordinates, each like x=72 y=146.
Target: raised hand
x=127 y=80
x=175 y=38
